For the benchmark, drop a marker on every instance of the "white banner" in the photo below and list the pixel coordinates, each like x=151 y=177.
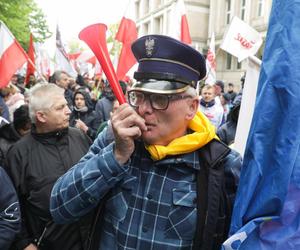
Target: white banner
x=247 y=104
x=241 y=40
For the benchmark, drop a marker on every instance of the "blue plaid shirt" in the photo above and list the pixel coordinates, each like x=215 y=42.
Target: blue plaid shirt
x=152 y=204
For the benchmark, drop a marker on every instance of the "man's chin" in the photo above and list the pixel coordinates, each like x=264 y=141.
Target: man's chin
x=148 y=137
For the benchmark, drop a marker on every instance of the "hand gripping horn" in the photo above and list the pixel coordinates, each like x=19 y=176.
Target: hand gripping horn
x=95 y=37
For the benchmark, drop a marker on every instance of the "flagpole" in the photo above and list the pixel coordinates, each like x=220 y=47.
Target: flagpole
x=39 y=74
x=115 y=40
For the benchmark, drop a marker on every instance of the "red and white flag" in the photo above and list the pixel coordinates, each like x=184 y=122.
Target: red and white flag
x=87 y=56
x=127 y=34
x=62 y=61
x=31 y=60
x=42 y=60
x=211 y=65
x=12 y=55
x=178 y=24
x=241 y=40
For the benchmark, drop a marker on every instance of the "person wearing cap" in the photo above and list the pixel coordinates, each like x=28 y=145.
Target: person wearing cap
x=149 y=184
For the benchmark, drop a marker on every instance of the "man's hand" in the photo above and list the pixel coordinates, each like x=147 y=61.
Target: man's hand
x=31 y=247
x=127 y=125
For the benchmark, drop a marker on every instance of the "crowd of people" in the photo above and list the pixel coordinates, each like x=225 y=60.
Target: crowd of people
x=83 y=172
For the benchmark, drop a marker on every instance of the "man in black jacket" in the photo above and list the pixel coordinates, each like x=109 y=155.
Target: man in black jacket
x=10 y=133
x=37 y=161
x=62 y=79
x=10 y=218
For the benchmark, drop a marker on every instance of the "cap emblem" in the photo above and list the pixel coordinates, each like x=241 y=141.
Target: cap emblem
x=149 y=45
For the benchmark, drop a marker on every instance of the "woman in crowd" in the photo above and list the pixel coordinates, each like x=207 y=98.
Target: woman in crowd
x=83 y=116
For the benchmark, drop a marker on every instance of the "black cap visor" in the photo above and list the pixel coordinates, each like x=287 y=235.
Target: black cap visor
x=159 y=86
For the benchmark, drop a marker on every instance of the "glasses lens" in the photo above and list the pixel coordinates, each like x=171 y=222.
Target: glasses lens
x=136 y=98
x=159 y=101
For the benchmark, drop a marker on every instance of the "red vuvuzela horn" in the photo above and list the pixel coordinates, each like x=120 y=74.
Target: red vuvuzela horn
x=95 y=37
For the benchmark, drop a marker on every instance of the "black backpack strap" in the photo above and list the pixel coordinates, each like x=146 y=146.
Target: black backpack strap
x=202 y=190
x=210 y=186
x=215 y=180
x=93 y=240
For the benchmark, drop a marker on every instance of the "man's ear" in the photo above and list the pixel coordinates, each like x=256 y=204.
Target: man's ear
x=40 y=116
x=193 y=108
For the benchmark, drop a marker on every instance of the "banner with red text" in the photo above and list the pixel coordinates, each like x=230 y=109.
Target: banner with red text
x=241 y=40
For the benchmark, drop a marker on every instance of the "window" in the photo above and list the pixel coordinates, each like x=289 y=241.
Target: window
x=158 y=25
x=137 y=9
x=157 y=3
x=228 y=61
x=146 y=7
x=261 y=4
x=146 y=27
x=243 y=9
x=238 y=65
x=228 y=11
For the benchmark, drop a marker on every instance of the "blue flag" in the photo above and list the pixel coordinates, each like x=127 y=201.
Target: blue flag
x=267 y=210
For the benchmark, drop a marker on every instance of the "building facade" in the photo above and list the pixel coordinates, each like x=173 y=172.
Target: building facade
x=205 y=17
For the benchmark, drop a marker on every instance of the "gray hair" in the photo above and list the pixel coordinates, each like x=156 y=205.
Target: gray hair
x=191 y=92
x=41 y=98
x=57 y=76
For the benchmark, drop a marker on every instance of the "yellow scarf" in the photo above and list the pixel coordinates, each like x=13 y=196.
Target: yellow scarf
x=204 y=133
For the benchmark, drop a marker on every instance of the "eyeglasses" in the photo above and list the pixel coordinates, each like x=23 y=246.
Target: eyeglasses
x=157 y=101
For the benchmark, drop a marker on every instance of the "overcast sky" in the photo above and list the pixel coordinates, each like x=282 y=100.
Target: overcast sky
x=72 y=16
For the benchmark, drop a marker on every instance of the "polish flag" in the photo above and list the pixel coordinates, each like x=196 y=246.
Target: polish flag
x=211 y=62
x=127 y=34
x=178 y=24
x=12 y=55
x=31 y=60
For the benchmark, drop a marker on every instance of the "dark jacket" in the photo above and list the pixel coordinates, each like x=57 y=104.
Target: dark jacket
x=69 y=97
x=104 y=107
x=4 y=109
x=227 y=131
x=89 y=117
x=34 y=163
x=8 y=136
x=10 y=217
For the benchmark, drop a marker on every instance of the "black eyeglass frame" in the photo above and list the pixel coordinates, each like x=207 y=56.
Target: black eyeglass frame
x=170 y=97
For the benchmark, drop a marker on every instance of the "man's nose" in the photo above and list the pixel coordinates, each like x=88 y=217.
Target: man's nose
x=145 y=106
x=67 y=110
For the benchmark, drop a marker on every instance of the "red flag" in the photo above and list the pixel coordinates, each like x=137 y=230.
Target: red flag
x=126 y=34
x=74 y=56
x=12 y=55
x=31 y=62
x=178 y=24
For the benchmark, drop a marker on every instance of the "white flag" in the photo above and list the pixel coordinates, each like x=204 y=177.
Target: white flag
x=211 y=62
x=61 y=57
x=241 y=40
